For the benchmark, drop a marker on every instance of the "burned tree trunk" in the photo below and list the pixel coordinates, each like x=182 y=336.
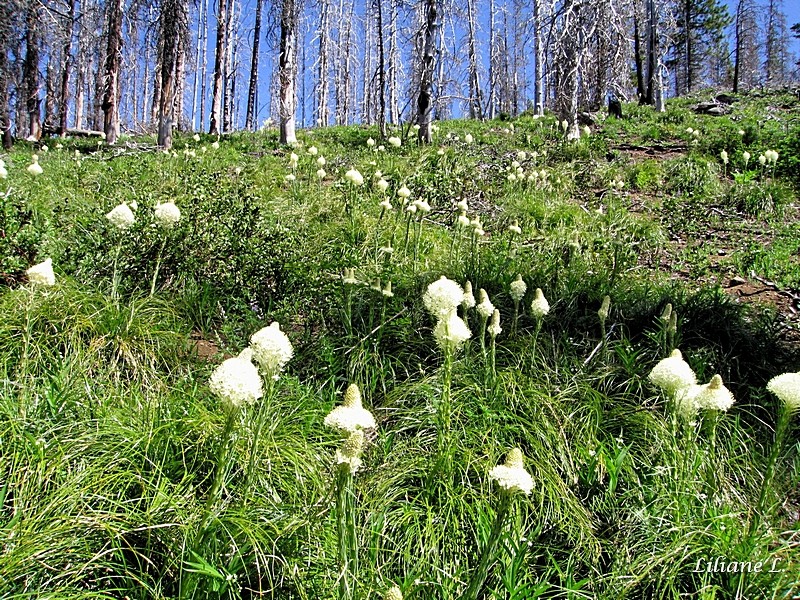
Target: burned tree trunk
x=173 y=27
x=249 y=121
x=424 y=100
x=219 y=59
x=113 y=58
x=30 y=73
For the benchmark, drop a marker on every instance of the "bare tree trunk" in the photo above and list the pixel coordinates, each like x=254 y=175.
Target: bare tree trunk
x=229 y=77
x=219 y=58
x=65 y=69
x=173 y=27
x=367 y=72
x=538 y=55
x=249 y=121
x=5 y=108
x=381 y=70
x=30 y=72
x=323 y=65
x=641 y=94
x=394 y=64
x=475 y=97
x=492 y=63
x=203 y=69
x=180 y=81
x=286 y=71
x=652 y=52
x=199 y=72
x=424 y=101
x=439 y=108
x=113 y=58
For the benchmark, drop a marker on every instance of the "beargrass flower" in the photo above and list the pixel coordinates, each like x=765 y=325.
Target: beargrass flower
x=469 y=298
x=350 y=452
x=321 y=161
x=463 y=219
x=605 y=308
x=382 y=185
x=293 y=158
x=394 y=593
x=404 y=193
x=35 y=168
x=518 y=289
x=236 y=382
x=351 y=415
x=290 y=178
x=271 y=349
x=494 y=328
x=313 y=150
x=540 y=306
x=215 y=145
x=196 y=137
x=451 y=332
x=321 y=173
x=354 y=177
x=167 y=214
x=787 y=388
x=3 y=170
x=349 y=277
x=762 y=160
x=673 y=374
x=121 y=216
x=370 y=142
x=772 y=156
x=515 y=228
x=442 y=297
x=746 y=157
x=724 y=156
x=412 y=208
x=485 y=307
x=468 y=138
x=711 y=396
x=394 y=141
x=512 y=476
x=422 y=206
x=42 y=273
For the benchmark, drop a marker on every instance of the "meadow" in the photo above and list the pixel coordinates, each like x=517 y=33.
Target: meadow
x=245 y=377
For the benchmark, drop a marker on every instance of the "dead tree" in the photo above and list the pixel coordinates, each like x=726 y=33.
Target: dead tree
x=249 y=121
x=219 y=62
x=286 y=72
x=30 y=73
x=424 y=100
x=173 y=26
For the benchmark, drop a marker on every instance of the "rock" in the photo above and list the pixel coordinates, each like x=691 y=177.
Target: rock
x=711 y=108
x=737 y=281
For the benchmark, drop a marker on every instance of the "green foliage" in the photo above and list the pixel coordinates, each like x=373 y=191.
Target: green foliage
x=110 y=437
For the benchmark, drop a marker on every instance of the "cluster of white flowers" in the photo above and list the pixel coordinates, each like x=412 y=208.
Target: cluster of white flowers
x=539 y=306
x=167 y=214
x=673 y=374
x=451 y=332
x=512 y=475
x=351 y=415
x=469 y=298
x=354 y=177
x=312 y=150
x=605 y=308
x=3 y=170
x=271 y=349
x=485 y=307
x=121 y=217
x=771 y=156
x=236 y=381
x=787 y=388
x=724 y=156
x=443 y=297
x=518 y=289
x=350 y=452
x=494 y=328
x=711 y=396
x=35 y=168
x=468 y=138
x=395 y=141
x=394 y=593
x=42 y=274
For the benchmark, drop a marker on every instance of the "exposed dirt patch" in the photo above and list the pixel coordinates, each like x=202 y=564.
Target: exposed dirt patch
x=204 y=349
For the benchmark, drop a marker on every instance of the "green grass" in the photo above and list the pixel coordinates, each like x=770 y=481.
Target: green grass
x=110 y=436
